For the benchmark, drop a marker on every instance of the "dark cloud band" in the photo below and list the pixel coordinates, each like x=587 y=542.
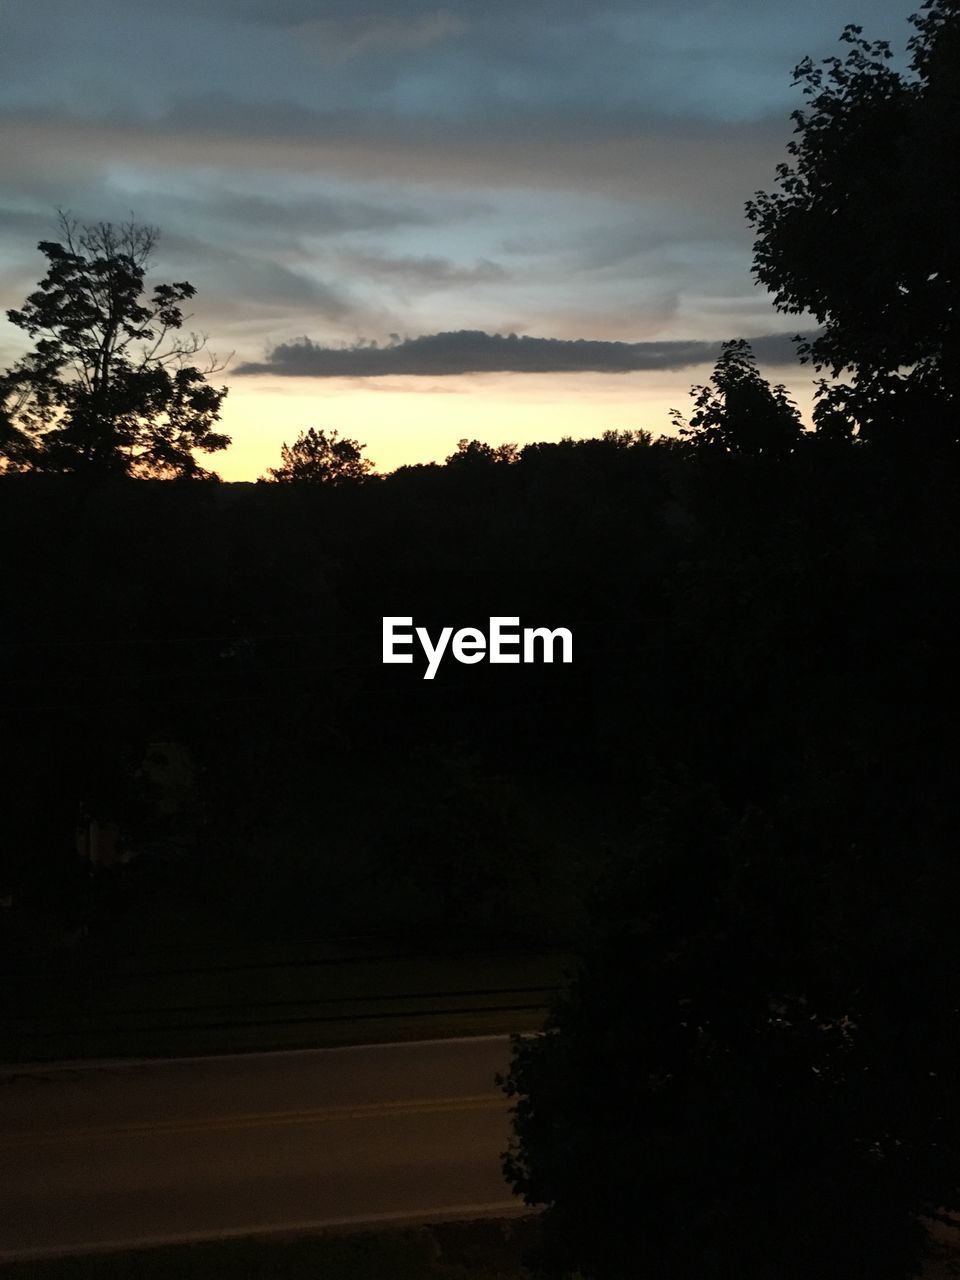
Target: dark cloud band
x=473 y=351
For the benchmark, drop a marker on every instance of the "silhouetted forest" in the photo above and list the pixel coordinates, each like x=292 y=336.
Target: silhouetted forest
x=200 y=664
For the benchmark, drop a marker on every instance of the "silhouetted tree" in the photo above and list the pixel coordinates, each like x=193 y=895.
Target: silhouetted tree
x=472 y=453
x=107 y=389
x=741 y=412
x=755 y=1071
x=15 y=445
x=862 y=229
x=320 y=457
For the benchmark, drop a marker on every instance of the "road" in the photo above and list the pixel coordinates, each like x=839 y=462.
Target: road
x=115 y=1155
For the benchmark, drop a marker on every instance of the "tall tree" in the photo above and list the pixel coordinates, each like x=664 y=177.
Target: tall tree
x=108 y=387
x=320 y=457
x=861 y=230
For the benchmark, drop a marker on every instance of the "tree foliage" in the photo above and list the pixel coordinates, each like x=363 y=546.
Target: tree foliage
x=861 y=230
x=477 y=453
x=321 y=457
x=741 y=412
x=755 y=1071
x=108 y=388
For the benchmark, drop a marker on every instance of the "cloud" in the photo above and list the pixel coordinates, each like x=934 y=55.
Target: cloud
x=357 y=67
x=273 y=284
x=713 y=164
x=356 y=35
x=473 y=351
x=340 y=167
x=293 y=215
x=426 y=273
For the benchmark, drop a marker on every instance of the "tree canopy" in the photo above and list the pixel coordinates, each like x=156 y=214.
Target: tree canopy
x=108 y=387
x=741 y=412
x=321 y=457
x=477 y=453
x=861 y=229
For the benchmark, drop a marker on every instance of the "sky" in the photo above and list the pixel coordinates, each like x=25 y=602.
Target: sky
x=415 y=222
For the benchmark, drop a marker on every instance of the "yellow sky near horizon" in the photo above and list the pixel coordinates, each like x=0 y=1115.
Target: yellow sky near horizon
x=409 y=420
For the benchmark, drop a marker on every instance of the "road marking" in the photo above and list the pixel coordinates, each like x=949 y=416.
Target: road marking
x=269 y=1119
x=360 y=1222
x=13 y=1069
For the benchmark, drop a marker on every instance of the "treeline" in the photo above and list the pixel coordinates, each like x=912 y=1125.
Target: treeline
x=200 y=666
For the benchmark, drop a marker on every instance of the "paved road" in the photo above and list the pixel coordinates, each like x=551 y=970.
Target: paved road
x=116 y=1154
